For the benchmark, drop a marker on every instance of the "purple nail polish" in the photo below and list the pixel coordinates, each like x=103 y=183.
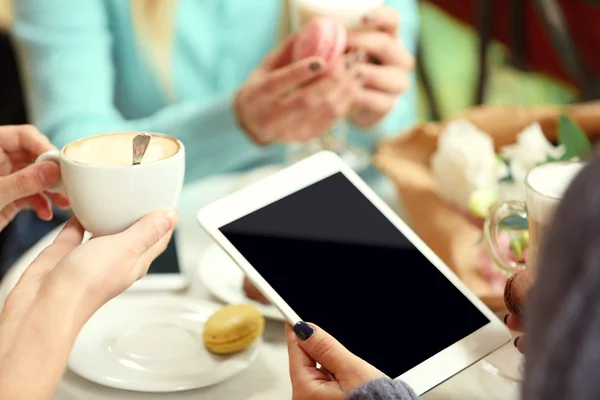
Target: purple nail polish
x=303 y=330
x=516 y=342
x=314 y=66
x=506 y=319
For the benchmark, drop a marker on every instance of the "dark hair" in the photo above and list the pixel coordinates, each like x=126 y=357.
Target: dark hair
x=563 y=315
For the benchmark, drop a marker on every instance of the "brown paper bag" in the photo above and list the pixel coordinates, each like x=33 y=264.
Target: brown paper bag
x=406 y=160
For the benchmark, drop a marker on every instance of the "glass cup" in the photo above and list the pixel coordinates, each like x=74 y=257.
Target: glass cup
x=544 y=188
x=336 y=138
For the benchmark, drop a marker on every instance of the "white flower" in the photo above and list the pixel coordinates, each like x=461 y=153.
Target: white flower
x=464 y=162
x=531 y=149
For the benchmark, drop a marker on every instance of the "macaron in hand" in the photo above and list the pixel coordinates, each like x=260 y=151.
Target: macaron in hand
x=322 y=37
x=233 y=328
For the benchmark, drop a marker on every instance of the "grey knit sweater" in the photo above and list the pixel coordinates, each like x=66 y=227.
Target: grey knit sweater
x=383 y=389
x=563 y=310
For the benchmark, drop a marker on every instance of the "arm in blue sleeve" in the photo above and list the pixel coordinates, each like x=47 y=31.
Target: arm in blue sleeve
x=405 y=113
x=384 y=388
x=66 y=50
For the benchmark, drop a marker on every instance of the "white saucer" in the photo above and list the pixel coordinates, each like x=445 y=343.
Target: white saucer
x=224 y=279
x=153 y=344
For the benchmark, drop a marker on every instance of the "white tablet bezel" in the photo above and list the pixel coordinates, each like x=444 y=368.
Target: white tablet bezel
x=422 y=377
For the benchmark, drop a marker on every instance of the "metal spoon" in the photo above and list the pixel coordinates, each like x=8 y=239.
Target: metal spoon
x=140 y=144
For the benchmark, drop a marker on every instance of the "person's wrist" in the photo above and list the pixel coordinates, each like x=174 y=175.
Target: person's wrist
x=241 y=122
x=77 y=299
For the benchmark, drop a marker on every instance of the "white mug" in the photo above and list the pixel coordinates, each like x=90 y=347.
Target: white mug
x=109 y=199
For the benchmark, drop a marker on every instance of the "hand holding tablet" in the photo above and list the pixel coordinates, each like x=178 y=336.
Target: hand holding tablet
x=323 y=247
x=309 y=382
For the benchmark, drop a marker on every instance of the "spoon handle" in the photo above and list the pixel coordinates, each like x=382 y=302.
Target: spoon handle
x=140 y=144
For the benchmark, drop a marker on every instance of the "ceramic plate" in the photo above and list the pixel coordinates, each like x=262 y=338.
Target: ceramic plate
x=224 y=279
x=153 y=344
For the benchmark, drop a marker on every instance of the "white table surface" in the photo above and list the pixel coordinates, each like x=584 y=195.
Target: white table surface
x=267 y=378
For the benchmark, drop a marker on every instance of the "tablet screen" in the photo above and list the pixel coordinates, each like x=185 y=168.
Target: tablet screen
x=340 y=263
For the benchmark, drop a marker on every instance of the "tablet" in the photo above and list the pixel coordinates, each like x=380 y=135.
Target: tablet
x=324 y=248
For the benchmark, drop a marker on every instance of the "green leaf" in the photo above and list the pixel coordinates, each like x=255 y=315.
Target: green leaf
x=576 y=143
x=514 y=222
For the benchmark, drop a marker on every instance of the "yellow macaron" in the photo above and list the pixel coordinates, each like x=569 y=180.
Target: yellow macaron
x=233 y=328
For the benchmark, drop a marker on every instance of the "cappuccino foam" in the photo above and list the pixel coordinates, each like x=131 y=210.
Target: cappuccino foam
x=549 y=183
x=116 y=149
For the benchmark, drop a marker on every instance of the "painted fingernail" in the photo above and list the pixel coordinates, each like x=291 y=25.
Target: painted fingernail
x=314 y=66
x=368 y=18
x=506 y=318
x=303 y=330
x=516 y=342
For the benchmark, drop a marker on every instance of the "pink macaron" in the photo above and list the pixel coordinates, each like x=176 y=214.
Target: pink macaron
x=321 y=37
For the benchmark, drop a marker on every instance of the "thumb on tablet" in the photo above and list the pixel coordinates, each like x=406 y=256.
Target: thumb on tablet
x=348 y=369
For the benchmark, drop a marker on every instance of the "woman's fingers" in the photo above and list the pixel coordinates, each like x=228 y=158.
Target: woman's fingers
x=31 y=180
x=59 y=200
x=69 y=237
x=519 y=343
x=384 y=18
x=299 y=361
x=140 y=238
x=371 y=105
x=142 y=265
x=311 y=95
x=280 y=56
x=389 y=50
x=41 y=205
x=384 y=78
x=513 y=323
x=319 y=105
x=27 y=138
x=281 y=81
x=338 y=104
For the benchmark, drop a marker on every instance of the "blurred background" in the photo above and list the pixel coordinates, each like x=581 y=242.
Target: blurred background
x=471 y=52
x=507 y=52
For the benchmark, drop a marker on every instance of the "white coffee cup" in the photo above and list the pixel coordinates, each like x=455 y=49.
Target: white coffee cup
x=109 y=195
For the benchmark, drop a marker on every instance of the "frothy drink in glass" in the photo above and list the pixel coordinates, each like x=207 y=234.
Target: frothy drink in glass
x=544 y=188
x=546 y=185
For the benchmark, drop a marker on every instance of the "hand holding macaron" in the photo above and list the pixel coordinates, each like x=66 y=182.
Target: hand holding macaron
x=300 y=89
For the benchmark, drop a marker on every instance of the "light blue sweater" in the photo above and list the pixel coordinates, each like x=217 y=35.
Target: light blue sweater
x=86 y=75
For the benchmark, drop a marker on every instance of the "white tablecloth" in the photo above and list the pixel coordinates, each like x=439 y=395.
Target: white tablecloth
x=267 y=378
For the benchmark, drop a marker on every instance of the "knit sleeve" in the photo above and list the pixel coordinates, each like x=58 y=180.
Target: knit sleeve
x=383 y=389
